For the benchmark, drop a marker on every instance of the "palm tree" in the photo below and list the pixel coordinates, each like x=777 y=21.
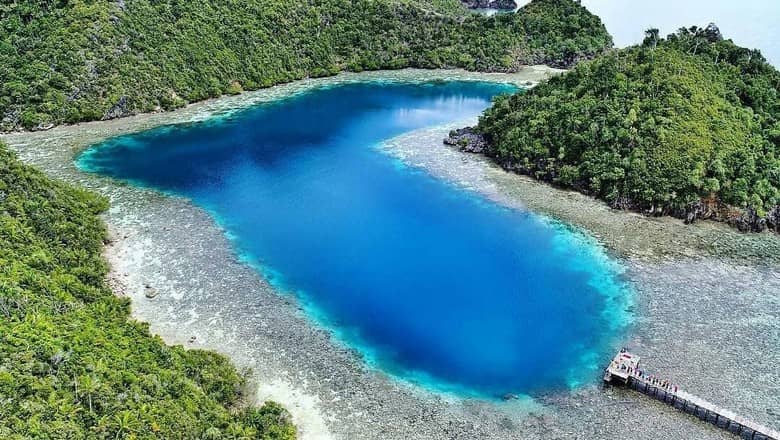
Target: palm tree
x=237 y=431
x=652 y=36
x=125 y=422
x=89 y=385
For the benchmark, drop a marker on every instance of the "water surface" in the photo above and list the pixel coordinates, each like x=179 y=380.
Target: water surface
x=429 y=282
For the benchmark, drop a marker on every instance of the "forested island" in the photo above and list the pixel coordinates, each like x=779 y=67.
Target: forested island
x=67 y=62
x=72 y=362
x=687 y=126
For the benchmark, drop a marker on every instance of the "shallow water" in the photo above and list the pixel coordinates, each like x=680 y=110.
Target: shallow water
x=429 y=282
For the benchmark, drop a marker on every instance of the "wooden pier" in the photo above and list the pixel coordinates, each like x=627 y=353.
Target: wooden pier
x=625 y=369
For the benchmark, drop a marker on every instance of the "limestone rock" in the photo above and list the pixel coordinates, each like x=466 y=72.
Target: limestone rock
x=466 y=139
x=150 y=292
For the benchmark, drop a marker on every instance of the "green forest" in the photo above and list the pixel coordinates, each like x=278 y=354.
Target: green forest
x=687 y=126
x=73 y=364
x=79 y=60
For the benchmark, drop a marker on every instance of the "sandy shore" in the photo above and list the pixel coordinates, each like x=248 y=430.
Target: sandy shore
x=708 y=313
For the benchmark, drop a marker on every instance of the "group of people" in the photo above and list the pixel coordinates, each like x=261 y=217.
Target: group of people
x=663 y=383
x=652 y=380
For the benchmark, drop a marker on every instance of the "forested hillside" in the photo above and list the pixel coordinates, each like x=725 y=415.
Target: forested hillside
x=72 y=363
x=77 y=60
x=687 y=126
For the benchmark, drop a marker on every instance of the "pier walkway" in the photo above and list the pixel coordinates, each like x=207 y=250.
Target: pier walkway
x=625 y=369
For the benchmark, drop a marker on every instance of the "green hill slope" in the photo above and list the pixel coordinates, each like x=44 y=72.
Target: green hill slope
x=72 y=363
x=78 y=60
x=687 y=126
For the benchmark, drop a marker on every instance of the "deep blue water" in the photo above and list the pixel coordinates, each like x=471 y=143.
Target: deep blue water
x=430 y=282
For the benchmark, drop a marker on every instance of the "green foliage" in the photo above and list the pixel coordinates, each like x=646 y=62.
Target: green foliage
x=653 y=127
x=72 y=363
x=79 y=60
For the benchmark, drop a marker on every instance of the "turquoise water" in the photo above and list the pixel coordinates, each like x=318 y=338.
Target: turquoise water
x=430 y=282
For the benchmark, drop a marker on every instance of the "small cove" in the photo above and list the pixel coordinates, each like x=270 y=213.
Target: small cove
x=428 y=282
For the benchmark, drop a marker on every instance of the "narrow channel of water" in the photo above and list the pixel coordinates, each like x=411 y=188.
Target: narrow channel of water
x=429 y=282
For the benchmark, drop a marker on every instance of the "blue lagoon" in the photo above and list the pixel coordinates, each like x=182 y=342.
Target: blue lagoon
x=430 y=282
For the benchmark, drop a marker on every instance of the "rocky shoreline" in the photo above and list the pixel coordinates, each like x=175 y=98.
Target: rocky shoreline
x=728 y=312
x=468 y=140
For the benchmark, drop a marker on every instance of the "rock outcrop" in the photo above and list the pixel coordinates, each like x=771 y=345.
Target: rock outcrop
x=749 y=221
x=773 y=219
x=119 y=109
x=746 y=220
x=467 y=140
x=504 y=5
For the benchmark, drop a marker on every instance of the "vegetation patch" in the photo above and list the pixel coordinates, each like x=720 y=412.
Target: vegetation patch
x=72 y=362
x=686 y=126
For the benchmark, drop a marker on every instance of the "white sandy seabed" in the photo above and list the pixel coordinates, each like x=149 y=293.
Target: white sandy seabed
x=707 y=298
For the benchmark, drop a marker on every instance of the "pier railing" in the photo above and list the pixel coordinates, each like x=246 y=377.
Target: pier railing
x=625 y=369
